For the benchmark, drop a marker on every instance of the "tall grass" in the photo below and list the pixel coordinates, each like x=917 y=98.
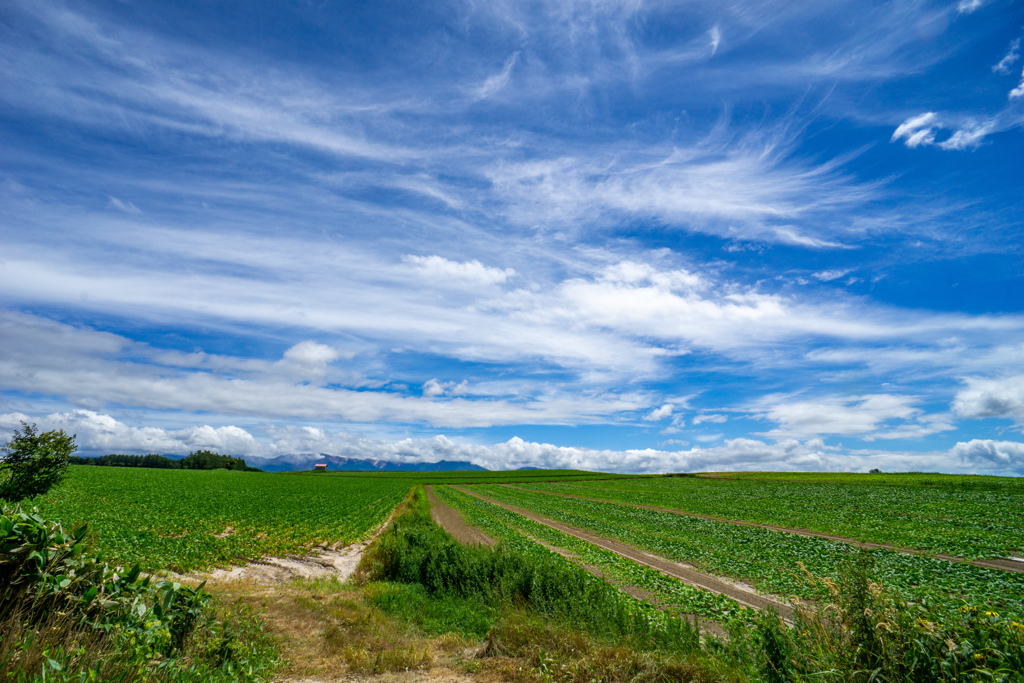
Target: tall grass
x=416 y=550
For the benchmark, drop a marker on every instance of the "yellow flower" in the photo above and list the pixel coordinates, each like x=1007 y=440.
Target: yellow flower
x=978 y=656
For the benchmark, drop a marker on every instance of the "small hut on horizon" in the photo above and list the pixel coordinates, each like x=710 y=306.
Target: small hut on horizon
x=320 y=467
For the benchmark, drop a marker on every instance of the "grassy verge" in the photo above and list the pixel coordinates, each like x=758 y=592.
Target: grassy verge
x=66 y=615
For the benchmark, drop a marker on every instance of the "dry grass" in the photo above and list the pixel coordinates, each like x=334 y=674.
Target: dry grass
x=327 y=629
x=527 y=648
x=26 y=644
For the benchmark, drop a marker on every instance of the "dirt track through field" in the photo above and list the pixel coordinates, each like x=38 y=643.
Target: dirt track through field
x=686 y=574
x=1002 y=564
x=449 y=519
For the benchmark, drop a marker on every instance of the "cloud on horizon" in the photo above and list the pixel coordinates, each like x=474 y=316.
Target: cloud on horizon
x=100 y=433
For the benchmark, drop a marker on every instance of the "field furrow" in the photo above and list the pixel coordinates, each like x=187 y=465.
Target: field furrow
x=774 y=562
x=636 y=580
x=1000 y=564
x=975 y=523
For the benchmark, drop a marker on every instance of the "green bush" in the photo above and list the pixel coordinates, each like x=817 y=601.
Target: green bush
x=64 y=610
x=34 y=462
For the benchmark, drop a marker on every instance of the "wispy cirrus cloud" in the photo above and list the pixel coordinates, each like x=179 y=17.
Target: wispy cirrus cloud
x=1009 y=59
x=507 y=214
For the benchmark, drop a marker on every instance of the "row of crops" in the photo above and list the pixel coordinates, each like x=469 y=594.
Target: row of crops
x=530 y=538
x=970 y=522
x=470 y=476
x=776 y=562
x=191 y=520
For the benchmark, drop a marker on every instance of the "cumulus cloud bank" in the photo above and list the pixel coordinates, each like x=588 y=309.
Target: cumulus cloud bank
x=1002 y=397
x=100 y=433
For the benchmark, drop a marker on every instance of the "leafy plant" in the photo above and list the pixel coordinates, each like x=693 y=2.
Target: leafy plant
x=34 y=461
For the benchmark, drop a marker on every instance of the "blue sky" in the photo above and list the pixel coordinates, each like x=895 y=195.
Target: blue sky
x=615 y=235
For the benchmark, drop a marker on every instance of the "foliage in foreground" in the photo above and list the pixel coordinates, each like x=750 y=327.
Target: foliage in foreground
x=66 y=615
x=33 y=462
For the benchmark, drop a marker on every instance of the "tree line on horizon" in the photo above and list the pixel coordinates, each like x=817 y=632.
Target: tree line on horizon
x=196 y=460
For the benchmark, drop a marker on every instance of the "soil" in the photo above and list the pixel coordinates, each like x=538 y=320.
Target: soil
x=271 y=570
x=433 y=675
x=1009 y=564
x=741 y=593
x=449 y=519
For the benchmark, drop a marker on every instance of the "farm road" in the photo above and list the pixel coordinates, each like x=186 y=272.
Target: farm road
x=688 y=575
x=449 y=519
x=1002 y=564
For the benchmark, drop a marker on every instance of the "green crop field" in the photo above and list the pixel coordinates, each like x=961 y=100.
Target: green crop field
x=971 y=522
x=772 y=560
x=470 y=477
x=523 y=533
x=188 y=520
x=191 y=520
x=877 y=479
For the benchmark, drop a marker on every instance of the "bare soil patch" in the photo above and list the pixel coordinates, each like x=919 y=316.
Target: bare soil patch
x=436 y=675
x=741 y=593
x=323 y=562
x=1009 y=565
x=449 y=519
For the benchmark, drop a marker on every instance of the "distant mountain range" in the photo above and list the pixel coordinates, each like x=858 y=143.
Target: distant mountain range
x=305 y=461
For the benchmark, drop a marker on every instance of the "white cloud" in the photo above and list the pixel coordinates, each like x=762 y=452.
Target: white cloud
x=311 y=358
x=968 y=137
x=921 y=131
x=1007 y=456
x=1019 y=90
x=1008 y=60
x=659 y=413
x=498 y=81
x=99 y=433
x=867 y=417
x=1002 y=397
x=917 y=130
x=715 y=34
x=968 y=6
x=439 y=270
x=830 y=275
x=433 y=387
x=752 y=190
x=86 y=368
x=102 y=433
x=126 y=207
x=713 y=418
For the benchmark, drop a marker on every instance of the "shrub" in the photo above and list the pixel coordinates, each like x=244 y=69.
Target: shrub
x=35 y=462
x=67 y=615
